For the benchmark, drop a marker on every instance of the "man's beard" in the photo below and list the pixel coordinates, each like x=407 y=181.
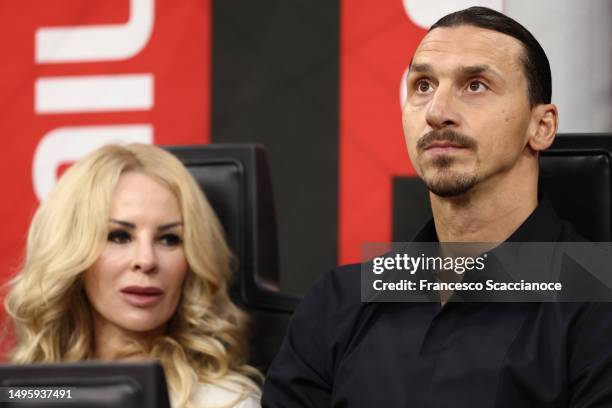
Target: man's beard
x=449 y=185
x=445 y=182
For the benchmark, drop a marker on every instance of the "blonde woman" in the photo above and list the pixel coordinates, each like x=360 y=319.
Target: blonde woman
x=126 y=260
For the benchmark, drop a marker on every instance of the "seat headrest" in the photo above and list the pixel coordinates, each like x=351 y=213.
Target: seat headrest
x=236 y=180
x=578 y=183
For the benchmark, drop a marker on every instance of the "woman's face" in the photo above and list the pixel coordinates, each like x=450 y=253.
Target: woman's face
x=135 y=285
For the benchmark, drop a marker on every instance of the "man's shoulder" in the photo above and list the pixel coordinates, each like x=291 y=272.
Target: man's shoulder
x=341 y=285
x=334 y=300
x=347 y=275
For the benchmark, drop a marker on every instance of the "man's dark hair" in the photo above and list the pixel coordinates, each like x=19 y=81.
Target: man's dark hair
x=535 y=62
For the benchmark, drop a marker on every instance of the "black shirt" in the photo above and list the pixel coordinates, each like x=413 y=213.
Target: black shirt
x=340 y=352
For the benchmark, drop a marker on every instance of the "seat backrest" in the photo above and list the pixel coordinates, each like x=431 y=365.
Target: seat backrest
x=236 y=181
x=578 y=185
x=577 y=176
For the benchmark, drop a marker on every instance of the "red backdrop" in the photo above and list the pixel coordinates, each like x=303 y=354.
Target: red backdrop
x=376 y=44
x=159 y=51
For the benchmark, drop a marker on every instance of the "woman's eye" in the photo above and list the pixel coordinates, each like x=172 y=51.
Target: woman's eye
x=119 y=237
x=170 y=240
x=477 y=86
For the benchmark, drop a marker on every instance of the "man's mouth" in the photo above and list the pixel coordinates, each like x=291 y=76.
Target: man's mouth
x=443 y=147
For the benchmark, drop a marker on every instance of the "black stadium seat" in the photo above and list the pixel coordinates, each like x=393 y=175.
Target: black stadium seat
x=236 y=180
x=576 y=175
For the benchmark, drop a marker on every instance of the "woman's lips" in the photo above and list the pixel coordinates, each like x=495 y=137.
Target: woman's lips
x=142 y=296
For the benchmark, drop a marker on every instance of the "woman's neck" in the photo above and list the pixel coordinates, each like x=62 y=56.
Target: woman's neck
x=115 y=343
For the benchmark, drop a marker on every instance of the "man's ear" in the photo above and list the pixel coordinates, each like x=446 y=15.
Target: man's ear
x=543 y=126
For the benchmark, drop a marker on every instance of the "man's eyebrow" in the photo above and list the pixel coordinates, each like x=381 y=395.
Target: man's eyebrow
x=469 y=70
x=133 y=226
x=474 y=69
x=421 y=68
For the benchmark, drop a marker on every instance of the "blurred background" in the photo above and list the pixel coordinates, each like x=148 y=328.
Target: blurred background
x=317 y=82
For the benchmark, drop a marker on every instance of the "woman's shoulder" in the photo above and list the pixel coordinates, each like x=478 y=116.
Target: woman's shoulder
x=227 y=392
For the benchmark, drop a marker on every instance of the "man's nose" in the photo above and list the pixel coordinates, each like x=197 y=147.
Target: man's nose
x=441 y=112
x=144 y=258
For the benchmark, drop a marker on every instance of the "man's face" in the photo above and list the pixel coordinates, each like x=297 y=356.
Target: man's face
x=467 y=111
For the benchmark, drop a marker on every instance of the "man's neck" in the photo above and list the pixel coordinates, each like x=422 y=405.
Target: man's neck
x=488 y=213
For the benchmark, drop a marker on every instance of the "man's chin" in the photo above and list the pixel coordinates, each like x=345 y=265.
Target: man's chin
x=453 y=187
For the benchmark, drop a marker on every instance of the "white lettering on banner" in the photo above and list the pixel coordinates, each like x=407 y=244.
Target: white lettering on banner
x=426 y=13
x=94 y=93
x=109 y=42
x=68 y=144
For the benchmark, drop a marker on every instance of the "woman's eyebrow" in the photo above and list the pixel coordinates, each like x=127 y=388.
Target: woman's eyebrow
x=169 y=225
x=123 y=223
x=160 y=228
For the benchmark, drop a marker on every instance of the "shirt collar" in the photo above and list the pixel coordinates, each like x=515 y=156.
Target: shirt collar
x=542 y=225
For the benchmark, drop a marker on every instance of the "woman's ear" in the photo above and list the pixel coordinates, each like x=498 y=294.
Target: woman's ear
x=543 y=126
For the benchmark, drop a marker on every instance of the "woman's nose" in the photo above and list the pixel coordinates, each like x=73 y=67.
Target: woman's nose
x=144 y=258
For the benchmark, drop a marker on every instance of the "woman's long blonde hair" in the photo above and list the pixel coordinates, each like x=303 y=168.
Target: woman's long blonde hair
x=52 y=322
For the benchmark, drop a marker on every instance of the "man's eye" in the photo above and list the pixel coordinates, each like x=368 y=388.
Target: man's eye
x=119 y=237
x=423 y=86
x=170 y=240
x=477 y=86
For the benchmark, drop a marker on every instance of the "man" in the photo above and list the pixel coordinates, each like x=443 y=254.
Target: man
x=477 y=114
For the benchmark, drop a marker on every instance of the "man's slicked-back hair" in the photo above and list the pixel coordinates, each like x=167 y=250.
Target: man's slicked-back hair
x=535 y=62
